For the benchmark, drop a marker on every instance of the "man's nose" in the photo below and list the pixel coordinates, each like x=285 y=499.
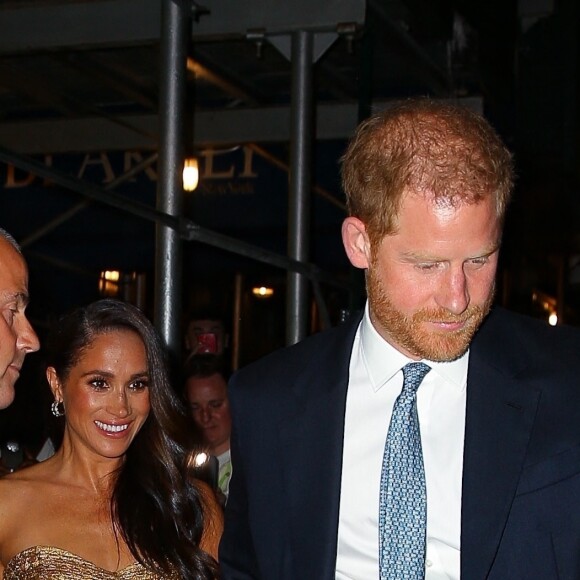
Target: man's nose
x=204 y=415
x=453 y=292
x=27 y=339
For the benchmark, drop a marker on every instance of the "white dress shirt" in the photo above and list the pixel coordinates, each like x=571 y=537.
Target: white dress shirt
x=375 y=382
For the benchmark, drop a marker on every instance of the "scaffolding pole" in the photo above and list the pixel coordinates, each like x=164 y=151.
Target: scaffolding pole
x=301 y=131
x=175 y=30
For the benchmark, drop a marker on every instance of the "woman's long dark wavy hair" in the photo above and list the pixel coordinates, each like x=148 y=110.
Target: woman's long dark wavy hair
x=159 y=511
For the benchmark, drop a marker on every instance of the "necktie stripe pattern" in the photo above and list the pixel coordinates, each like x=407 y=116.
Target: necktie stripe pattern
x=403 y=493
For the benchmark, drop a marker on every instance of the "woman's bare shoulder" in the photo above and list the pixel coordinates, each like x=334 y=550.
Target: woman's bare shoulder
x=19 y=494
x=25 y=497
x=20 y=484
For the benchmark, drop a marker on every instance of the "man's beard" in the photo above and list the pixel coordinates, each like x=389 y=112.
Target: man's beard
x=408 y=332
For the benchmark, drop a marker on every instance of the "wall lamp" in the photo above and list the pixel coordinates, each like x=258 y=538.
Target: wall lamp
x=190 y=174
x=262 y=292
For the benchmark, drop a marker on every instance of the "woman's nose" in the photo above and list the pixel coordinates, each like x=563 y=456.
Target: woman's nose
x=119 y=405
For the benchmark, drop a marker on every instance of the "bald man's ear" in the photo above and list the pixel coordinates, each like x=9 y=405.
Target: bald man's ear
x=356 y=242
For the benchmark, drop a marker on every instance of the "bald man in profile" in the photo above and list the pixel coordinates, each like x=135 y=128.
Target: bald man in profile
x=17 y=338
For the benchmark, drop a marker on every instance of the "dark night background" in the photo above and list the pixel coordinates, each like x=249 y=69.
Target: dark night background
x=519 y=60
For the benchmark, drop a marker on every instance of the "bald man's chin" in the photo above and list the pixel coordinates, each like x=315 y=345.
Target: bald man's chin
x=6 y=395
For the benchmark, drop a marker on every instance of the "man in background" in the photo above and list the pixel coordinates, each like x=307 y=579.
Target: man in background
x=206 y=393
x=17 y=338
x=433 y=437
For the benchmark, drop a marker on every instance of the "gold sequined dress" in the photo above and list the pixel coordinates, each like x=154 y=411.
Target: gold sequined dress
x=48 y=563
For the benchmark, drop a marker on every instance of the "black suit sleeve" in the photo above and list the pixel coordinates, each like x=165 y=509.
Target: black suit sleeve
x=236 y=553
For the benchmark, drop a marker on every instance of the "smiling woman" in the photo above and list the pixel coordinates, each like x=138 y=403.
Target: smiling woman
x=105 y=395
x=116 y=499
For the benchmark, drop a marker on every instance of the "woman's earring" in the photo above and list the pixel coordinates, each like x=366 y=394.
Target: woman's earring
x=55 y=409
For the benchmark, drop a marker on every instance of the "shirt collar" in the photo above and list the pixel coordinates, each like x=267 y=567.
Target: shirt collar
x=383 y=361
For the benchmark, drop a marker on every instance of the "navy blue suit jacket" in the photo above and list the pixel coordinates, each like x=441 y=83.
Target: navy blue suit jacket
x=521 y=474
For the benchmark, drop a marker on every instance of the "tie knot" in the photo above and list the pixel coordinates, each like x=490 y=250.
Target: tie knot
x=413 y=374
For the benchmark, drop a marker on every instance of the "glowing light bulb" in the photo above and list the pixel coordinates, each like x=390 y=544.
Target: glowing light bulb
x=190 y=174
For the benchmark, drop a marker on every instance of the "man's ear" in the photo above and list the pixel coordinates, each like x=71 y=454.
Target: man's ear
x=356 y=242
x=54 y=383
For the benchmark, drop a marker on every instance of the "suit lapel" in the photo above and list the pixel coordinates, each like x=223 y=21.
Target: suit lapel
x=499 y=420
x=311 y=442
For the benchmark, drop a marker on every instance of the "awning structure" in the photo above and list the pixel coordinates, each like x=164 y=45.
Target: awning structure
x=85 y=83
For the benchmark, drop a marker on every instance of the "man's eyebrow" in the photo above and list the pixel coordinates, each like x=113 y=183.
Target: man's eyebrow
x=420 y=257
x=22 y=298
x=423 y=257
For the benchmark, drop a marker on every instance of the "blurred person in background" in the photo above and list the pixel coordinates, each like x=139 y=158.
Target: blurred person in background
x=206 y=393
x=205 y=333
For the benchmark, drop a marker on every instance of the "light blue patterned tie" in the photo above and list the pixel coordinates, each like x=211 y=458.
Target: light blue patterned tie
x=403 y=495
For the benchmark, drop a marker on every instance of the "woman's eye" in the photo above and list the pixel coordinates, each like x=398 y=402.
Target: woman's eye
x=139 y=385
x=99 y=383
